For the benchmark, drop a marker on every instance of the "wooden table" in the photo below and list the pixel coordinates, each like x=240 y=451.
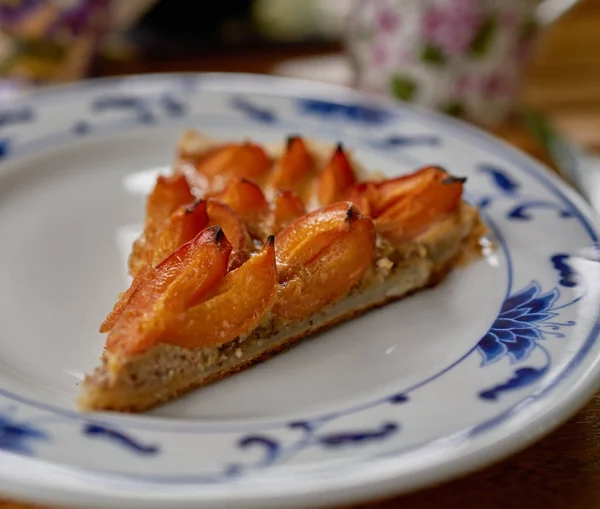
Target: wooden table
x=561 y=471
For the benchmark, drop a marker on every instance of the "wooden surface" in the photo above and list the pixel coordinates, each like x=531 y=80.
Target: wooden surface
x=561 y=471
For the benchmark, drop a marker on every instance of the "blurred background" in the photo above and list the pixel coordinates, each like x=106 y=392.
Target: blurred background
x=528 y=70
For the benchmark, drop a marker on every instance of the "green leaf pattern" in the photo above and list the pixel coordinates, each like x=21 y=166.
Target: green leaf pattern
x=403 y=87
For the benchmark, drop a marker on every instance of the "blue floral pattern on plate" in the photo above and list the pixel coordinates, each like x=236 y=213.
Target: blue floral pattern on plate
x=359 y=113
x=18 y=437
x=525 y=318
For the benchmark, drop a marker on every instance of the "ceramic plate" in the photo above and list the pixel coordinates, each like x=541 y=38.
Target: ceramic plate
x=424 y=389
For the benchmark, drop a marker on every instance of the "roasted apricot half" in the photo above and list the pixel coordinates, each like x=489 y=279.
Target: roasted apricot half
x=183 y=225
x=411 y=205
x=406 y=206
x=168 y=195
x=320 y=257
x=294 y=168
x=220 y=214
x=336 y=178
x=162 y=293
x=234 y=307
x=287 y=206
x=239 y=160
x=248 y=202
x=365 y=196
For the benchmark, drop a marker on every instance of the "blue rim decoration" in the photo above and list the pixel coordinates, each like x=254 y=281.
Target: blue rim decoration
x=526 y=317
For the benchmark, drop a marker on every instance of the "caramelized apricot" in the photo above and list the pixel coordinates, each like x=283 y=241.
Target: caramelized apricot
x=287 y=206
x=234 y=307
x=180 y=281
x=247 y=201
x=419 y=183
x=320 y=257
x=223 y=215
x=363 y=195
x=183 y=225
x=245 y=160
x=413 y=204
x=124 y=299
x=308 y=235
x=294 y=167
x=169 y=265
x=406 y=206
x=168 y=195
x=336 y=178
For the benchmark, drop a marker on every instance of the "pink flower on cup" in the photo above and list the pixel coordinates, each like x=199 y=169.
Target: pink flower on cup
x=496 y=85
x=453 y=26
x=387 y=19
x=378 y=54
x=464 y=84
x=510 y=19
x=523 y=50
x=405 y=57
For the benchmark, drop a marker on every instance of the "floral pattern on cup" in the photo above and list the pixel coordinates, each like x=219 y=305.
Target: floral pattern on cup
x=453 y=29
x=464 y=57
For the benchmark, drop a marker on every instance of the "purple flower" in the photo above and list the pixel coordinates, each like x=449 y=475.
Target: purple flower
x=453 y=27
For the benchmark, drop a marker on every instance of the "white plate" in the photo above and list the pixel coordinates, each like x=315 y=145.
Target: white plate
x=422 y=390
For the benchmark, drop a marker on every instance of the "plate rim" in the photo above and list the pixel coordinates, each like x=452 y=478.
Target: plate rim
x=473 y=459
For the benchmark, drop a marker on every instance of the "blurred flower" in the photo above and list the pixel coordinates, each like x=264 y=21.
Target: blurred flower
x=378 y=54
x=388 y=19
x=496 y=85
x=452 y=27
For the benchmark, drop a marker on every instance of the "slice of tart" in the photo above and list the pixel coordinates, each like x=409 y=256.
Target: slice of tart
x=247 y=249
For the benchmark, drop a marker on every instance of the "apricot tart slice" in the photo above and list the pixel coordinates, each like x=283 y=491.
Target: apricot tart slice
x=246 y=249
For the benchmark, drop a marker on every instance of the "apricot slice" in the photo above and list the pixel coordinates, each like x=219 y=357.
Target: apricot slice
x=287 y=206
x=234 y=307
x=242 y=160
x=220 y=214
x=423 y=181
x=169 y=193
x=248 y=202
x=124 y=299
x=183 y=225
x=336 y=178
x=320 y=257
x=406 y=206
x=180 y=281
x=412 y=205
x=170 y=265
x=308 y=235
x=363 y=195
x=294 y=167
